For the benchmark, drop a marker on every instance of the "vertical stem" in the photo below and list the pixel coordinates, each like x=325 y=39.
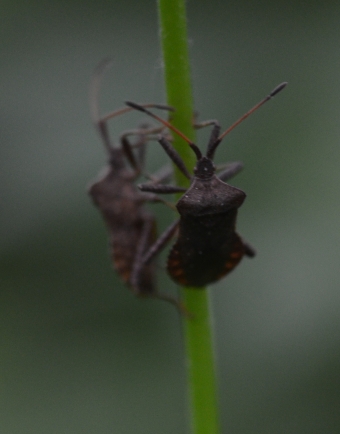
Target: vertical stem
x=177 y=74
x=197 y=330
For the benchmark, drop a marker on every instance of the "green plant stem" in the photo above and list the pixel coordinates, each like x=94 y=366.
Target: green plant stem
x=197 y=329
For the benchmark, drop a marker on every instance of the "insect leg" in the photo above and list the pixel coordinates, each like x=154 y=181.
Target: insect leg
x=160 y=243
x=174 y=155
x=127 y=148
x=140 y=263
x=161 y=188
x=154 y=198
x=230 y=170
x=162 y=175
x=207 y=123
x=144 y=133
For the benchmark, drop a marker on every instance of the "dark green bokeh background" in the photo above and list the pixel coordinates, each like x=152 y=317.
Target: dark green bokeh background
x=78 y=353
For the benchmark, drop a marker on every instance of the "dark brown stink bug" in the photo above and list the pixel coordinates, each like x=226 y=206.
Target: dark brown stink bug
x=207 y=246
x=131 y=227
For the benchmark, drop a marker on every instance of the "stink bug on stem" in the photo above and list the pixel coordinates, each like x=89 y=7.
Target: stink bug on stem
x=131 y=227
x=207 y=246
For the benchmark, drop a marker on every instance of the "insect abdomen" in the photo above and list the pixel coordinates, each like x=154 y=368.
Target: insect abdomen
x=206 y=250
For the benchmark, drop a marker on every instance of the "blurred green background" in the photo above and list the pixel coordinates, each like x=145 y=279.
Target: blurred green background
x=79 y=354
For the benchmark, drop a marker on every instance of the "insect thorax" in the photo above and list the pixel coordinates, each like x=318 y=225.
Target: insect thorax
x=210 y=196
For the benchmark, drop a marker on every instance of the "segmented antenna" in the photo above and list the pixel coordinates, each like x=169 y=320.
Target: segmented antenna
x=168 y=125
x=213 y=143
x=212 y=147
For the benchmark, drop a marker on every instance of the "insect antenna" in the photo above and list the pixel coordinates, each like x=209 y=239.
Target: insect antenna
x=213 y=145
x=168 y=125
x=94 y=101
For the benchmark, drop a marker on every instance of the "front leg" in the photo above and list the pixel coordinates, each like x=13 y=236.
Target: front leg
x=161 y=188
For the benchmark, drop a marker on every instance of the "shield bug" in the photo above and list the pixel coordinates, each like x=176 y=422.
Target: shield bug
x=131 y=227
x=207 y=246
